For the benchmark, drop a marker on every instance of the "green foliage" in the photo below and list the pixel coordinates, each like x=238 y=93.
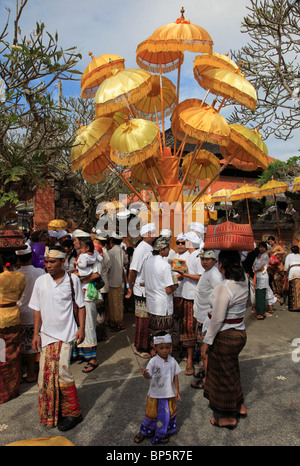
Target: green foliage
x=278 y=170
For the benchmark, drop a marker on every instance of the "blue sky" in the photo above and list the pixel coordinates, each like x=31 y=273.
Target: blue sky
x=116 y=26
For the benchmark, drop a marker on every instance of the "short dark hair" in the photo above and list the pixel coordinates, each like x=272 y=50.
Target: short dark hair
x=272 y=238
x=295 y=249
x=88 y=242
x=263 y=244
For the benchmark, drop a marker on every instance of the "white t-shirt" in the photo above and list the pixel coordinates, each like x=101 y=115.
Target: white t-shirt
x=184 y=256
x=292 y=259
x=194 y=268
x=162 y=376
x=205 y=287
x=157 y=276
x=54 y=301
x=31 y=273
x=140 y=254
x=118 y=259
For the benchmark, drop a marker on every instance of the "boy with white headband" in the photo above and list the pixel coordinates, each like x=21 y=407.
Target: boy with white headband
x=159 y=421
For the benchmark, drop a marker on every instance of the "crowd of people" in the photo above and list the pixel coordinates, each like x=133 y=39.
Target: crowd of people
x=60 y=293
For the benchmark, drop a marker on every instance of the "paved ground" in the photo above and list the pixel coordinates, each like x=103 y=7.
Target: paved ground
x=113 y=396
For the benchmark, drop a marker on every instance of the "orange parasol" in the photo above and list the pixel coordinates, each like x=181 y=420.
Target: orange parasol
x=121 y=90
x=96 y=170
x=206 y=165
x=229 y=85
x=91 y=140
x=145 y=175
x=205 y=124
x=150 y=106
x=296 y=184
x=97 y=71
x=176 y=128
x=134 y=141
x=207 y=61
x=247 y=147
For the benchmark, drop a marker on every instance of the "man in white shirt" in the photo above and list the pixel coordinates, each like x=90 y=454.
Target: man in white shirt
x=210 y=278
x=159 y=286
x=55 y=330
x=137 y=288
x=24 y=257
x=190 y=280
x=118 y=260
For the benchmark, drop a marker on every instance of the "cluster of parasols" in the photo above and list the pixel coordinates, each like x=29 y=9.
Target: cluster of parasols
x=131 y=105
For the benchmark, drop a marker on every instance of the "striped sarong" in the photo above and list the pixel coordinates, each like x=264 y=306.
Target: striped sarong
x=294 y=295
x=188 y=336
x=223 y=386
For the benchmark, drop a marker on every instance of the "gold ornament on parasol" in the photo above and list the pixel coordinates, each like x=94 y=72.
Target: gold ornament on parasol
x=91 y=140
x=97 y=71
x=229 y=85
x=122 y=89
x=296 y=184
x=150 y=106
x=57 y=225
x=246 y=149
x=134 y=141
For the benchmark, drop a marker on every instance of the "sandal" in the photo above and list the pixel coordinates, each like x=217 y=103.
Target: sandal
x=139 y=438
x=165 y=440
x=200 y=374
x=189 y=371
x=199 y=385
x=89 y=368
x=259 y=317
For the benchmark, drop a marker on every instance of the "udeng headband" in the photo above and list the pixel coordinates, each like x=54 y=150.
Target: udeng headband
x=162 y=339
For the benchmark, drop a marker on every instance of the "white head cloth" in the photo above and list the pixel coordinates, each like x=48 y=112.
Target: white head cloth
x=198 y=227
x=54 y=253
x=61 y=234
x=193 y=237
x=162 y=339
x=52 y=233
x=149 y=227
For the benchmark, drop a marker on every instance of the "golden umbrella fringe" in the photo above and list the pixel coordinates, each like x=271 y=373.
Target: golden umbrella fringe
x=89 y=156
x=296 y=184
x=206 y=62
x=244 y=192
x=96 y=178
x=154 y=63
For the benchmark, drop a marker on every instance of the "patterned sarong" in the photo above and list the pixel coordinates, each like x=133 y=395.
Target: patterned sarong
x=10 y=369
x=115 y=306
x=141 y=323
x=222 y=383
x=160 y=419
x=294 y=295
x=57 y=391
x=188 y=336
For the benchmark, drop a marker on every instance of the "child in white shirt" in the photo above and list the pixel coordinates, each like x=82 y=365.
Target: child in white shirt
x=86 y=261
x=160 y=417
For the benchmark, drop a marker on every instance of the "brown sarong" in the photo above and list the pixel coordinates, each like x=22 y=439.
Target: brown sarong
x=10 y=368
x=188 y=336
x=294 y=295
x=223 y=386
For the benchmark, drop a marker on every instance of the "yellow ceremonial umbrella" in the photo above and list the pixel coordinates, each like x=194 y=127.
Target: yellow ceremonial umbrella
x=97 y=71
x=229 y=85
x=296 y=184
x=122 y=89
x=96 y=170
x=271 y=188
x=246 y=149
x=244 y=192
x=150 y=106
x=209 y=61
x=57 y=225
x=134 y=141
x=145 y=175
x=91 y=140
x=222 y=196
x=176 y=128
x=205 y=165
x=205 y=124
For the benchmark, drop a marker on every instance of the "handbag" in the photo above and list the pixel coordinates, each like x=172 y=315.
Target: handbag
x=75 y=306
x=99 y=283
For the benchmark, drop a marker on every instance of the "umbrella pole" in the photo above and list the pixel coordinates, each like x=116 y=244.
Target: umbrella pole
x=188 y=169
x=199 y=169
x=177 y=100
x=181 y=149
x=249 y=218
x=157 y=123
x=151 y=181
x=162 y=106
x=212 y=180
x=126 y=182
x=277 y=216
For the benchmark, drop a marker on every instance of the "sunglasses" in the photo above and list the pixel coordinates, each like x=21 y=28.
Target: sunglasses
x=180 y=242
